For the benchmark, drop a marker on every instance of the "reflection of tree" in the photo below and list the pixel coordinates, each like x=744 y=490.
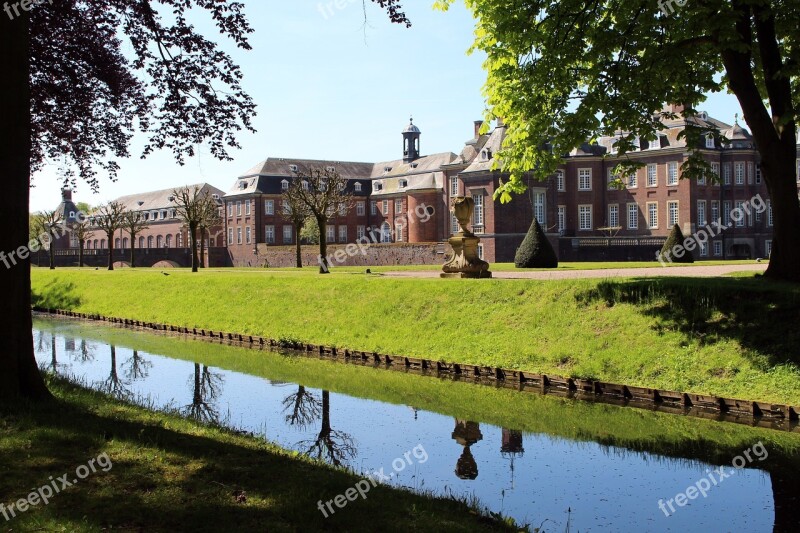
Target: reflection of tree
x=53 y=360
x=40 y=341
x=206 y=388
x=331 y=446
x=303 y=408
x=113 y=384
x=137 y=367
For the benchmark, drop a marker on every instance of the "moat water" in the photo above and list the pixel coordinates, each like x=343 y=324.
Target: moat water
x=554 y=463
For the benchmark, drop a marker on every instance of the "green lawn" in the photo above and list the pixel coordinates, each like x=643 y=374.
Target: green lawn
x=164 y=473
x=727 y=337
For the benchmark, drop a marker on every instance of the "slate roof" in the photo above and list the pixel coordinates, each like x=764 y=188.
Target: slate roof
x=155 y=200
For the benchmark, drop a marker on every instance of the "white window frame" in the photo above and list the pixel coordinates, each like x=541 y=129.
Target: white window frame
x=652 y=175
x=342 y=233
x=248 y=237
x=584 y=179
x=652 y=215
x=288 y=234
x=477 y=216
x=726 y=173
x=673 y=213
x=269 y=207
x=738 y=173
x=562 y=218
x=269 y=234
x=702 y=218
x=672 y=173
x=453 y=186
x=360 y=209
x=717 y=248
x=561 y=185
x=633 y=215
x=613 y=215
x=584 y=210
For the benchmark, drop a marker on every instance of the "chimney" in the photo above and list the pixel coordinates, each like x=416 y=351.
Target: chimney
x=478 y=124
x=500 y=122
x=66 y=195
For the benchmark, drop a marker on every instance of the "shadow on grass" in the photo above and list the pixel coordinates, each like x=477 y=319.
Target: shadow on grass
x=56 y=295
x=758 y=314
x=169 y=476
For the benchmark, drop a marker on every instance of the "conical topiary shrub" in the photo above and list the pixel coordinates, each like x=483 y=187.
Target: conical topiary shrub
x=667 y=254
x=535 y=250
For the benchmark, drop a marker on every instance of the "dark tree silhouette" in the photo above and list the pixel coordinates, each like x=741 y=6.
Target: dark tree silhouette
x=137 y=367
x=332 y=446
x=114 y=384
x=302 y=408
x=206 y=387
x=85 y=354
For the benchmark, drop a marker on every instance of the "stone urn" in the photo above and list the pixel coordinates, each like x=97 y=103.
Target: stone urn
x=465 y=262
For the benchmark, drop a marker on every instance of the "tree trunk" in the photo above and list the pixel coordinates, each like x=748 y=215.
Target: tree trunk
x=322 y=224
x=298 y=248
x=51 y=252
x=80 y=254
x=193 y=244
x=133 y=252
x=19 y=375
x=202 y=247
x=111 y=251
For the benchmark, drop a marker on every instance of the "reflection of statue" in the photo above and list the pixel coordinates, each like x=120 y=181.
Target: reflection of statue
x=512 y=448
x=206 y=387
x=334 y=447
x=465 y=262
x=467 y=434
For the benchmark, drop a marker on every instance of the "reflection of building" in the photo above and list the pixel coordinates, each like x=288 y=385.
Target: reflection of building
x=467 y=434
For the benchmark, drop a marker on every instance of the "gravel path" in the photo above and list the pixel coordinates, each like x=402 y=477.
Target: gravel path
x=706 y=271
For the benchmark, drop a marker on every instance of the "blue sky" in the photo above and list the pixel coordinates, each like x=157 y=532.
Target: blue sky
x=329 y=88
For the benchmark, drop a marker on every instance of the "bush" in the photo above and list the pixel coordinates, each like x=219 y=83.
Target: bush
x=535 y=250
x=675 y=238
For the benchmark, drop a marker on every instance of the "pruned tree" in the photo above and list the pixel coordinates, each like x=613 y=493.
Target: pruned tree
x=79 y=77
x=210 y=217
x=114 y=384
x=133 y=222
x=44 y=228
x=137 y=367
x=206 y=388
x=560 y=73
x=302 y=408
x=190 y=202
x=322 y=192
x=330 y=445
x=298 y=213
x=109 y=219
x=82 y=232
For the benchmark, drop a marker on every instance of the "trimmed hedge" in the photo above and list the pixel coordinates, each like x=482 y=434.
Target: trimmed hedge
x=535 y=250
x=675 y=238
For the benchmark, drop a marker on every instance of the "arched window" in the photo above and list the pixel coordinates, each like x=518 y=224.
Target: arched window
x=116 y=243
x=386 y=232
x=179 y=238
x=150 y=241
x=125 y=242
x=88 y=245
x=159 y=242
x=102 y=244
x=169 y=241
x=141 y=242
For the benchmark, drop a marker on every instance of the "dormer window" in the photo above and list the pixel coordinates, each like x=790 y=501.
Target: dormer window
x=284 y=185
x=709 y=141
x=330 y=169
x=378 y=186
x=386 y=170
x=414 y=165
x=293 y=168
x=357 y=187
x=403 y=184
x=154 y=215
x=171 y=199
x=305 y=185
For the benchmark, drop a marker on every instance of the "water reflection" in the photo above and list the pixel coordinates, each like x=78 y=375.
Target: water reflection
x=527 y=473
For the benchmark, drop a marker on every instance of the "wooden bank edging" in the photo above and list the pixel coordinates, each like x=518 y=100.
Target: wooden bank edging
x=754 y=413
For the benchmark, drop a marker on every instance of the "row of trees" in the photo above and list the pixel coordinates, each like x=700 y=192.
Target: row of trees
x=195 y=206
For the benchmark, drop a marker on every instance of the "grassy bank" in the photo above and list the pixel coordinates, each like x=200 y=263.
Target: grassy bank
x=169 y=474
x=729 y=337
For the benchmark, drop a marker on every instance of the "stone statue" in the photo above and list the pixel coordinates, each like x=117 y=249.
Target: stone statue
x=465 y=262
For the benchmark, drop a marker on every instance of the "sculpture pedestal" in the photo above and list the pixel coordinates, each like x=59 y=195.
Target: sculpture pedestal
x=465 y=262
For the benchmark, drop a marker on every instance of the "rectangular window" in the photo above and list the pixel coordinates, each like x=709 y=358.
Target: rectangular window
x=248 y=239
x=768 y=248
x=652 y=175
x=613 y=215
x=385 y=207
x=453 y=186
x=769 y=213
x=584 y=179
x=454 y=227
x=230 y=236
x=480 y=251
x=287 y=235
x=633 y=181
x=360 y=209
x=560 y=182
x=287 y=209
x=343 y=210
x=672 y=173
x=239 y=208
x=342 y=233
x=718 y=248
x=562 y=218
x=398 y=233
x=477 y=217
x=739 y=208
x=714 y=210
x=585 y=217
x=726 y=212
x=633 y=216
x=247 y=207
x=360 y=232
x=269 y=234
x=652 y=215
x=398 y=206
x=758 y=173
x=538 y=208
x=330 y=233
x=715 y=171
x=750 y=172
x=230 y=209
x=269 y=207
x=373 y=207
x=702 y=179
x=738 y=173
x=673 y=213
x=726 y=174
x=703 y=249
x=611 y=179
x=238 y=235
x=701 y=213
